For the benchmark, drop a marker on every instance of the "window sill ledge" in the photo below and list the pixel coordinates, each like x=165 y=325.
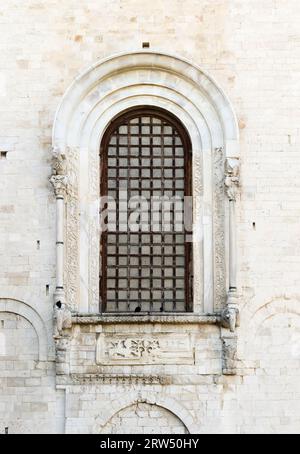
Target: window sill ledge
x=185 y=318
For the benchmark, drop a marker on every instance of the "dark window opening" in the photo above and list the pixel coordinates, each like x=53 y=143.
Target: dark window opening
x=146 y=153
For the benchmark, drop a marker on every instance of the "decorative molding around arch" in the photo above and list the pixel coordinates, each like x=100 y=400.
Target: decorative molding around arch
x=99 y=95
x=115 y=406
x=27 y=312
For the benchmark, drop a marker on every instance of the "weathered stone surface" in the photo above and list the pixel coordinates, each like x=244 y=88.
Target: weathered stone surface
x=252 y=50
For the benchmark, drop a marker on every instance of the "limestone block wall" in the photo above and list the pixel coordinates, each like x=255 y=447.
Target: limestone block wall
x=27 y=395
x=252 y=50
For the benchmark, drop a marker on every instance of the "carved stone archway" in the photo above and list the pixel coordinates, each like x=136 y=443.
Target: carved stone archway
x=97 y=96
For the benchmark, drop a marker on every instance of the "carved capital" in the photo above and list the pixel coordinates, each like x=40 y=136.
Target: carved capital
x=232 y=178
x=60 y=185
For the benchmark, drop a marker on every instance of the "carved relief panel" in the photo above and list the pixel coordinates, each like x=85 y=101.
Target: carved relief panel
x=128 y=349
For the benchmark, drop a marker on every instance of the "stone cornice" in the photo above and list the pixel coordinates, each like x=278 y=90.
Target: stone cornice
x=86 y=319
x=95 y=379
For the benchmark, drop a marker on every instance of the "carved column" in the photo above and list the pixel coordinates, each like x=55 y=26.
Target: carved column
x=230 y=315
x=59 y=183
x=62 y=314
x=232 y=180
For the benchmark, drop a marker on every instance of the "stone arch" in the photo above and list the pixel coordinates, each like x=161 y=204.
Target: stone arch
x=103 y=79
x=277 y=305
x=130 y=399
x=100 y=94
x=27 y=312
x=270 y=353
x=143 y=417
x=276 y=324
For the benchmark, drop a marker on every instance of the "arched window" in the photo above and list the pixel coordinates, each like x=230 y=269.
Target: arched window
x=146 y=166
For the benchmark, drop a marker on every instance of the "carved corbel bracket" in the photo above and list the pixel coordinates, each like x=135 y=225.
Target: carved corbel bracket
x=59 y=178
x=230 y=317
x=62 y=319
x=232 y=178
x=59 y=161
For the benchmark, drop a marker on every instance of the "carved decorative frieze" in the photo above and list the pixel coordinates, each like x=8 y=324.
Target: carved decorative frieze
x=130 y=350
x=133 y=349
x=219 y=231
x=113 y=379
x=197 y=227
x=94 y=262
x=198 y=174
x=94 y=231
x=72 y=229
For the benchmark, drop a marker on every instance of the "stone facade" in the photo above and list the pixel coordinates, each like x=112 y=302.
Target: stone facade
x=231 y=367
